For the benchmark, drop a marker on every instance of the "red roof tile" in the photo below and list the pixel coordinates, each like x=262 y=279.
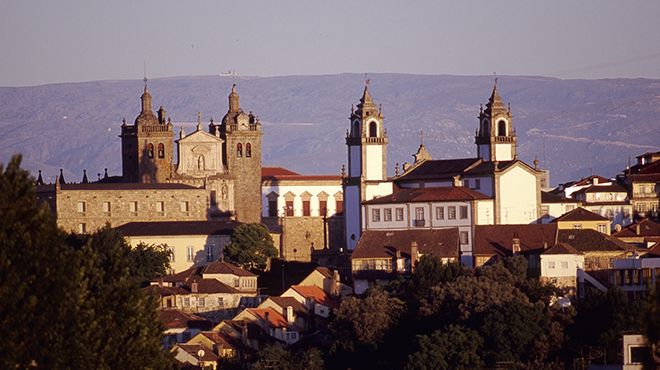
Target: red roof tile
x=173 y=319
x=562 y=248
x=647 y=227
x=580 y=214
x=383 y=244
x=437 y=194
x=222 y=267
x=274 y=318
x=587 y=240
x=316 y=293
x=493 y=240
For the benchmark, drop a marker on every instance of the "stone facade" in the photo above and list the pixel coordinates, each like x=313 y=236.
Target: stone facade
x=86 y=207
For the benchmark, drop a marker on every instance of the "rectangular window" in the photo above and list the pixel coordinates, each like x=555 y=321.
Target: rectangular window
x=387 y=214
x=323 y=208
x=289 y=208
x=419 y=217
x=551 y=265
x=440 y=213
x=466 y=183
x=133 y=208
x=190 y=253
x=107 y=208
x=209 y=253
x=451 y=212
x=477 y=184
x=375 y=215
x=160 y=208
x=339 y=206
x=602 y=228
x=185 y=207
x=564 y=265
x=201 y=301
x=221 y=302
x=82 y=228
x=82 y=207
x=399 y=214
x=463 y=212
x=577 y=226
x=464 y=237
x=272 y=208
x=306 y=208
x=237 y=283
x=186 y=302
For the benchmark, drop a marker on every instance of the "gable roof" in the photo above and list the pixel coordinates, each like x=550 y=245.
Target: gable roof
x=194 y=350
x=562 y=248
x=434 y=169
x=220 y=338
x=434 y=194
x=276 y=171
x=552 y=197
x=284 y=302
x=224 y=227
x=384 y=244
x=316 y=293
x=587 y=240
x=281 y=173
x=222 y=267
x=580 y=214
x=176 y=319
x=647 y=227
x=492 y=240
x=612 y=188
x=275 y=320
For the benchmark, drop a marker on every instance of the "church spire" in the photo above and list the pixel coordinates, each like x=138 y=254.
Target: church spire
x=146 y=98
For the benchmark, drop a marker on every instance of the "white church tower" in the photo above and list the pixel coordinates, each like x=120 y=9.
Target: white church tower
x=496 y=138
x=367 y=175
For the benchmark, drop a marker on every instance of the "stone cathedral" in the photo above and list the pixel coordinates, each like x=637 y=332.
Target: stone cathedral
x=218 y=174
x=225 y=160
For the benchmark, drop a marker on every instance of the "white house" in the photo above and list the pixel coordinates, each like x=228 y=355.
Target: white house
x=560 y=264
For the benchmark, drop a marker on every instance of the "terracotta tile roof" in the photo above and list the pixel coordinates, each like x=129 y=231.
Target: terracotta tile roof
x=276 y=171
x=383 y=244
x=176 y=319
x=184 y=280
x=436 y=194
x=280 y=173
x=210 y=286
x=562 y=248
x=222 y=267
x=275 y=320
x=164 y=291
x=325 y=272
x=284 y=302
x=220 y=338
x=580 y=214
x=586 y=181
x=490 y=240
x=588 y=240
x=434 y=169
x=551 y=197
x=194 y=350
x=647 y=227
x=316 y=293
x=224 y=227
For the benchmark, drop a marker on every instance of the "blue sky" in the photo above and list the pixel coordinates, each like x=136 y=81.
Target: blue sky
x=67 y=41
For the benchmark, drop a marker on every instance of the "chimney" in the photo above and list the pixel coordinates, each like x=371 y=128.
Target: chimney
x=193 y=286
x=289 y=315
x=397 y=257
x=414 y=256
x=638 y=229
x=456 y=181
x=515 y=247
x=335 y=290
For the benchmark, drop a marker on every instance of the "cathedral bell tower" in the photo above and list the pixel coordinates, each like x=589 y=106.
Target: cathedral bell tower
x=495 y=137
x=147 y=145
x=367 y=177
x=241 y=154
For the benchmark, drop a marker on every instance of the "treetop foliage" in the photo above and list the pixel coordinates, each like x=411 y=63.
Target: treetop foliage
x=251 y=247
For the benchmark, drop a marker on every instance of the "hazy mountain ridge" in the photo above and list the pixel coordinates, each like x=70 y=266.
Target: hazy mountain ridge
x=75 y=126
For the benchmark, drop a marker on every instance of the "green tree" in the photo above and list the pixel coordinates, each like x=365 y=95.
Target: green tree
x=453 y=347
x=38 y=277
x=251 y=247
x=148 y=262
x=278 y=358
x=68 y=302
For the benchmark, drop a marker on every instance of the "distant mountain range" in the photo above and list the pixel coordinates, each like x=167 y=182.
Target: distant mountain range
x=574 y=127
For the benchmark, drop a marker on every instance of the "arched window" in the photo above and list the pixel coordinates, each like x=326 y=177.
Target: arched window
x=373 y=129
x=248 y=150
x=150 y=150
x=161 y=150
x=239 y=150
x=501 y=128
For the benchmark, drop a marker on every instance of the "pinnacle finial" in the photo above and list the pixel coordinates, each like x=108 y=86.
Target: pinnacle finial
x=421 y=138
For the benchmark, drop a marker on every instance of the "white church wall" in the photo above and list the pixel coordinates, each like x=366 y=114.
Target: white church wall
x=298 y=190
x=485 y=212
x=374 y=162
x=518 y=197
x=503 y=152
x=378 y=190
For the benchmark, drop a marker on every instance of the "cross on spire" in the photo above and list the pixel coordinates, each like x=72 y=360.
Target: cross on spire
x=421 y=137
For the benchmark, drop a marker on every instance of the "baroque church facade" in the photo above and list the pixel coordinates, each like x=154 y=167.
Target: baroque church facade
x=511 y=188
